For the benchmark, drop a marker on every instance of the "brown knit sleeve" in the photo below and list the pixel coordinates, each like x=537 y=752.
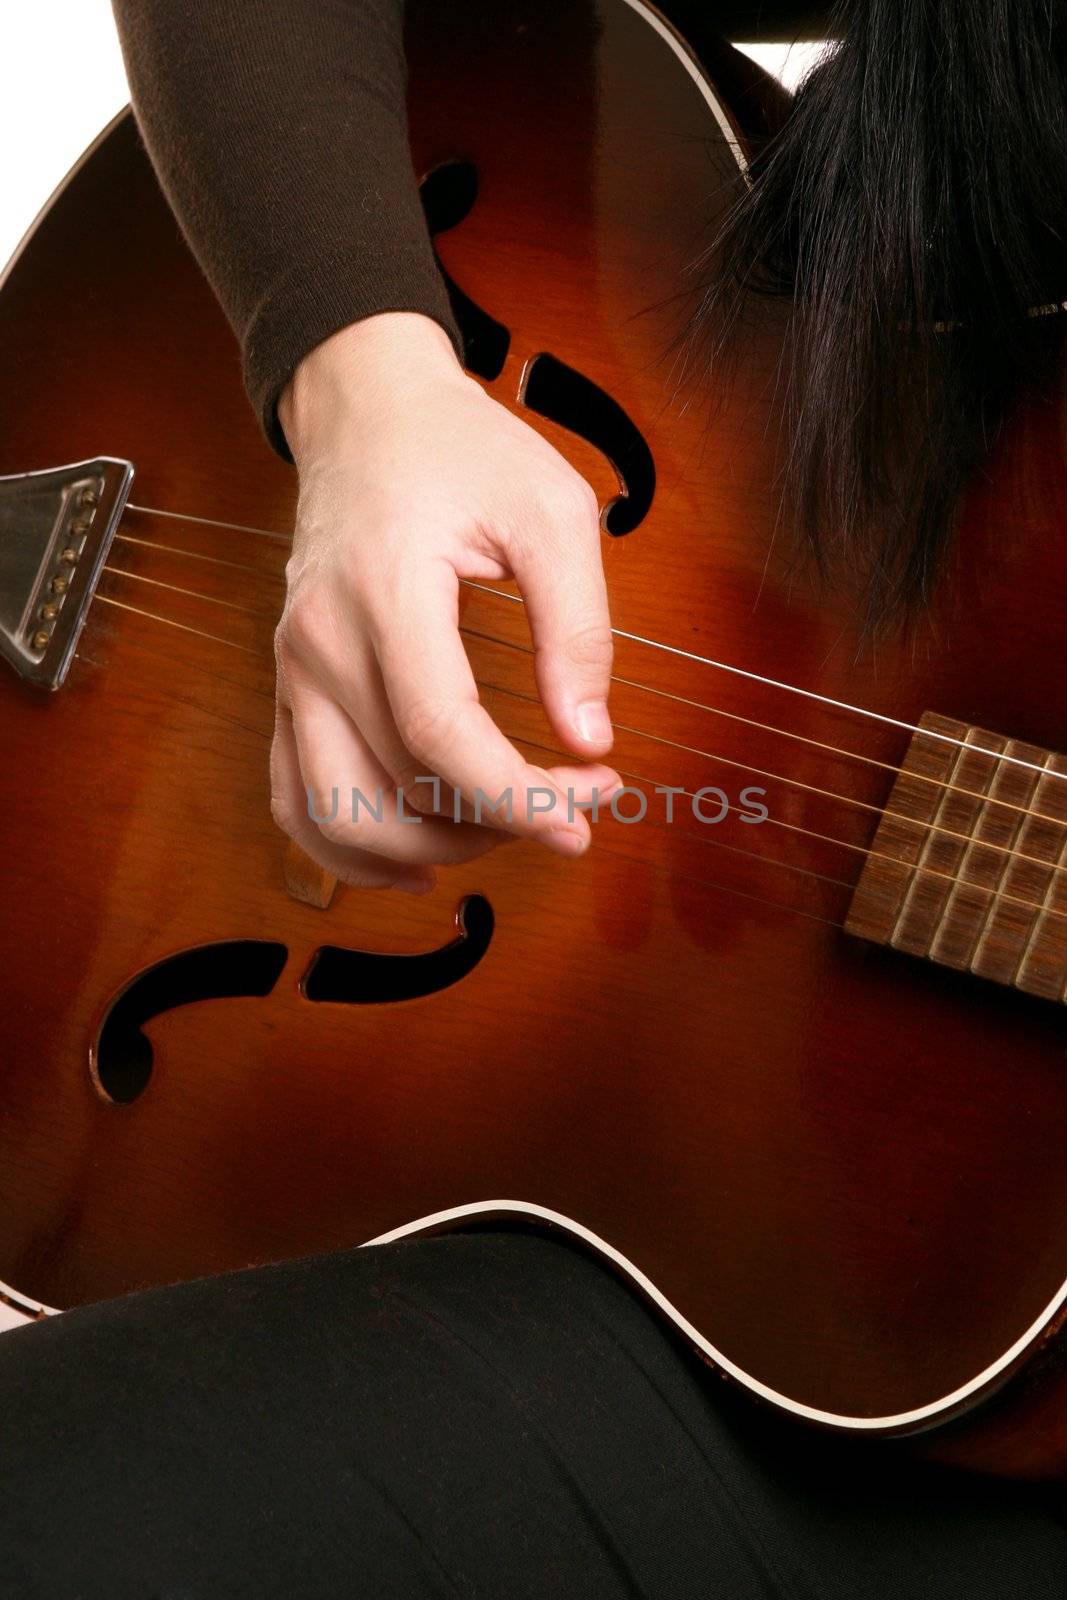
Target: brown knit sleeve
x=278 y=130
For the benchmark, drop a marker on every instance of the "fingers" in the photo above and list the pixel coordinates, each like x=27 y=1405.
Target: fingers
x=444 y=730
x=347 y=796
x=558 y=566
x=381 y=696
x=289 y=809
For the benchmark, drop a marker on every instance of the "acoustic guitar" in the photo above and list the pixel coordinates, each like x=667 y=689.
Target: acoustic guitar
x=802 y=1077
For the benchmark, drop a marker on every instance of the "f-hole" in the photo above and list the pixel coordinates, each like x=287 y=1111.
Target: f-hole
x=448 y=196
x=561 y=394
x=365 y=977
x=122 y=1063
x=550 y=387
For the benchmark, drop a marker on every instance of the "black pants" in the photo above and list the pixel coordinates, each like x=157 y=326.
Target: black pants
x=486 y=1415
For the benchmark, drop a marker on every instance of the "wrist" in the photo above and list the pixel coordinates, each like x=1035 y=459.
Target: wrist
x=363 y=369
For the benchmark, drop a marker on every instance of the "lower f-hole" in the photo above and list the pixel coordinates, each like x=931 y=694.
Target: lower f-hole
x=367 y=977
x=121 y=1062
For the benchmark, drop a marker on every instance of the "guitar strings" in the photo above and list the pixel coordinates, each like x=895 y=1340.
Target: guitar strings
x=630 y=683
x=671 y=872
x=657 y=644
x=746 y=766
x=658 y=868
x=932 y=827
x=522 y=739
x=800 y=738
x=826 y=794
x=707 y=755
x=995 y=892
x=172 y=623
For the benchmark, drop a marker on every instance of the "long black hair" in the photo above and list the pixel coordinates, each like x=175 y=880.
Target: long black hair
x=914 y=206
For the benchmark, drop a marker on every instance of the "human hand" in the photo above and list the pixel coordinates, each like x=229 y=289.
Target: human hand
x=411 y=479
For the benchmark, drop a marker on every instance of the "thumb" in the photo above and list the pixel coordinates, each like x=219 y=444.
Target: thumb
x=559 y=570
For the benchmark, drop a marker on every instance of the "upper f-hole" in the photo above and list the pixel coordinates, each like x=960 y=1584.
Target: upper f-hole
x=567 y=397
x=448 y=196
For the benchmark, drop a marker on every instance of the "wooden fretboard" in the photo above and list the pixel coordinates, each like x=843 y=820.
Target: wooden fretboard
x=968 y=866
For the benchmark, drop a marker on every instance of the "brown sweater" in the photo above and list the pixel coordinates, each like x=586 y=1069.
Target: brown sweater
x=278 y=129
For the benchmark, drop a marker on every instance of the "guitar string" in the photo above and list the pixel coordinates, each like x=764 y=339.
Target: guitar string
x=673 y=873
x=516 y=738
x=658 y=868
x=709 y=755
x=630 y=683
x=842 y=844
x=654 y=644
x=170 y=621
x=800 y=738
x=700 y=838
x=772 y=861
x=985 y=797
x=522 y=739
x=995 y=892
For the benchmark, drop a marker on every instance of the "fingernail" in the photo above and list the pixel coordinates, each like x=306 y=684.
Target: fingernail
x=564 y=841
x=592 y=722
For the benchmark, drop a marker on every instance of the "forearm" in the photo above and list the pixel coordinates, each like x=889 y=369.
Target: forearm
x=279 y=134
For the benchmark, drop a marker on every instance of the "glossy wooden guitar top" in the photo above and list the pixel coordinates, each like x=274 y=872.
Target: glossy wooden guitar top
x=842 y=1166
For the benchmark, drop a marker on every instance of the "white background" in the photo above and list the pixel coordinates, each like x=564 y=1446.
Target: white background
x=61 y=81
